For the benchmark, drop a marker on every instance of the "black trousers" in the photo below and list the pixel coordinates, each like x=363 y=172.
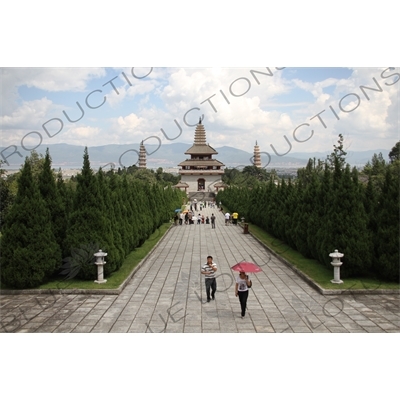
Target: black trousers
x=243 y=300
x=211 y=285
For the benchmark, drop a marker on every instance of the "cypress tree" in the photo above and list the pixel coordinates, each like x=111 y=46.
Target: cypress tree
x=130 y=214
x=278 y=224
x=317 y=225
x=256 y=197
x=30 y=253
x=387 y=238
x=270 y=206
x=52 y=199
x=118 y=205
x=89 y=226
x=346 y=226
x=259 y=209
x=301 y=216
x=115 y=240
x=289 y=214
x=154 y=206
x=66 y=194
x=6 y=196
x=143 y=211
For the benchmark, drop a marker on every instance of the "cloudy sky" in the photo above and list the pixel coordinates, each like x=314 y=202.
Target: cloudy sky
x=296 y=109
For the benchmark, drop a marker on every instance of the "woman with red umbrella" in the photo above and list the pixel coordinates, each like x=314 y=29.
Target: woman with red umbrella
x=242 y=290
x=243 y=282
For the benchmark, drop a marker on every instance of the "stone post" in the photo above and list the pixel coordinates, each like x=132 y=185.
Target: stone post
x=336 y=256
x=100 y=266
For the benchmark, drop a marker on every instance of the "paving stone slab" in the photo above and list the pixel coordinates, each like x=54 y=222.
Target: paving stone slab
x=82 y=329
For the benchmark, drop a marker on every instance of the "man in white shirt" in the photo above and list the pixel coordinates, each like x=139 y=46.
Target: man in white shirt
x=227 y=216
x=209 y=269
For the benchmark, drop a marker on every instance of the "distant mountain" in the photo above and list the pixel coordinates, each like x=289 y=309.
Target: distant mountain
x=67 y=156
x=352 y=157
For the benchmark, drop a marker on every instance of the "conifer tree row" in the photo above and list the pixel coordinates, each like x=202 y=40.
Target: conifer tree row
x=54 y=226
x=29 y=251
x=328 y=208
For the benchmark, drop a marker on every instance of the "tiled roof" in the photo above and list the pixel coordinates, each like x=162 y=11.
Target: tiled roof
x=201 y=149
x=181 y=184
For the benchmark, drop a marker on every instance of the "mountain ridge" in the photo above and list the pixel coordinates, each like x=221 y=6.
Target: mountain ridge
x=170 y=155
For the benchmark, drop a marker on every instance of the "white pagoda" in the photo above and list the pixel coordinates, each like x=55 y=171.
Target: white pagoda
x=142 y=156
x=257 y=156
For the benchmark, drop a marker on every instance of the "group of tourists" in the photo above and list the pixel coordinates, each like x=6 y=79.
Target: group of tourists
x=200 y=205
x=190 y=218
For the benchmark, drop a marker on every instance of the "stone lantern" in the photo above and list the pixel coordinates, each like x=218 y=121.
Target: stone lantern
x=100 y=263
x=336 y=256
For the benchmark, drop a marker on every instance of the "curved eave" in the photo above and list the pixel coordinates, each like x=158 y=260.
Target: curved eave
x=181 y=185
x=201 y=149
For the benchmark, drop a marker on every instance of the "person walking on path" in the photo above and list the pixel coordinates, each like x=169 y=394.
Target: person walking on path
x=212 y=221
x=243 y=283
x=227 y=217
x=235 y=216
x=209 y=269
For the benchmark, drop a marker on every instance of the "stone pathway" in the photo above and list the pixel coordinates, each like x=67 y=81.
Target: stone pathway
x=167 y=294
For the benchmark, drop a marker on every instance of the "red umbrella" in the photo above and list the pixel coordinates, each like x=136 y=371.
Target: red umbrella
x=245 y=266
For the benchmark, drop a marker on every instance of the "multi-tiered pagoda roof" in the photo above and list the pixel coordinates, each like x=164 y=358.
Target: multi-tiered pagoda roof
x=201 y=155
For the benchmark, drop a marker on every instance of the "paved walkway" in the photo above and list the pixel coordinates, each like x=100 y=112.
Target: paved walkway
x=167 y=294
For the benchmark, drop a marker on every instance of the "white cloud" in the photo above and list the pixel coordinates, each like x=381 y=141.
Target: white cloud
x=129 y=123
x=189 y=88
x=49 y=79
x=80 y=135
x=132 y=87
x=373 y=123
x=28 y=116
x=53 y=79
